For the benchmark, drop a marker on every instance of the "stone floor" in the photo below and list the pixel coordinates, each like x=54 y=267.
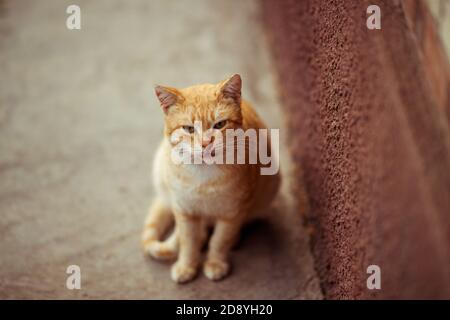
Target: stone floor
x=78 y=126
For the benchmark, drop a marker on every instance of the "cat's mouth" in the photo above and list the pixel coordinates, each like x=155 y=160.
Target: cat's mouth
x=210 y=154
x=204 y=155
x=207 y=153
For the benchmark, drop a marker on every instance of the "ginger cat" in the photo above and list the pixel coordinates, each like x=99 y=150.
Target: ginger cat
x=194 y=197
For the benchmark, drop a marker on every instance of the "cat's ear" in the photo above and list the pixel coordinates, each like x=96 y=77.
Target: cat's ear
x=231 y=89
x=167 y=97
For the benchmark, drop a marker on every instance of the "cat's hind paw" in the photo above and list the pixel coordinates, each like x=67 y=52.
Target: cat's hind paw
x=216 y=269
x=182 y=273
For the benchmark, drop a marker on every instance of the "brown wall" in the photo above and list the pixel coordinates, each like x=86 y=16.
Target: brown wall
x=368 y=121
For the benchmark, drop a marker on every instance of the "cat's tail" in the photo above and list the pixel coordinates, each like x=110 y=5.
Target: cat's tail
x=158 y=222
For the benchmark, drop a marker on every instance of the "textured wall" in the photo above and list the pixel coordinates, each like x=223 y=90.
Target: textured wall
x=370 y=128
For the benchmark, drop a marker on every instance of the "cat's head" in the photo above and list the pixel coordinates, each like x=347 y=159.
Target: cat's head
x=205 y=107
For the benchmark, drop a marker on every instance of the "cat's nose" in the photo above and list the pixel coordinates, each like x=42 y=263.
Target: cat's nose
x=207 y=141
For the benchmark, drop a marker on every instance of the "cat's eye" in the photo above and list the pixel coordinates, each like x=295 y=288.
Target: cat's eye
x=188 y=129
x=220 y=124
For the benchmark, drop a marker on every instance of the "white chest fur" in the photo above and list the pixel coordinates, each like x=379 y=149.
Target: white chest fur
x=204 y=190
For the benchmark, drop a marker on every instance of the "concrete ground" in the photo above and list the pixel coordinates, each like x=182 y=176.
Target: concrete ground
x=78 y=128
x=441 y=12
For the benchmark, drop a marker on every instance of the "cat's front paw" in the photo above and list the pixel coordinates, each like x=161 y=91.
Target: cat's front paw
x=161 y=250
x=215 y=269
x=181 y=273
